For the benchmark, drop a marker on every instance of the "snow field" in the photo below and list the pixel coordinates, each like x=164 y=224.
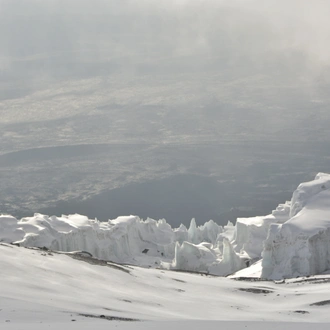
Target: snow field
x=41 y=286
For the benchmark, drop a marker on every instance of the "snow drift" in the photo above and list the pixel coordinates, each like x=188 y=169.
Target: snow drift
x=292 y=241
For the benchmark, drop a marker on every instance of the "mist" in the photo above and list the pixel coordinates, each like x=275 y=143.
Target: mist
x=76 y=38
x=165 y=82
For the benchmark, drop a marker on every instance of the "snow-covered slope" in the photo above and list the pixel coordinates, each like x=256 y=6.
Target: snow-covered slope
x=41 y=288
x=293 y=241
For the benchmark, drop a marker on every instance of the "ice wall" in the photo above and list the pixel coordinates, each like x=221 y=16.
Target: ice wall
x=126 y=239
x=294 y=240
x=307 y=190
x=301 y=245
x=130 y=240
x=250 y=233
x=209 y=248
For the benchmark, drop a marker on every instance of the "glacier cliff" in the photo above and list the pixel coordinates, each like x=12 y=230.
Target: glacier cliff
x=292 y=241
x=301 y=245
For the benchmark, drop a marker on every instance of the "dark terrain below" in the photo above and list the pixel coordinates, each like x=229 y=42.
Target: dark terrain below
x=175 y=182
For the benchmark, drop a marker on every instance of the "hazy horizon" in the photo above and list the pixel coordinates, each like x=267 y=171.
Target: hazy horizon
x=161 y=77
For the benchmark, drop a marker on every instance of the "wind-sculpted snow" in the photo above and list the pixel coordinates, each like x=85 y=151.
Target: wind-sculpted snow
x=294 y=240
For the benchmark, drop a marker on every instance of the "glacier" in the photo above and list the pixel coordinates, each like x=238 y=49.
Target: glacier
x=294 y=240
x=301 y=245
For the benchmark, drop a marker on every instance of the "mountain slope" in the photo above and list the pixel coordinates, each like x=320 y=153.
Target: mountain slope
x=42 y=286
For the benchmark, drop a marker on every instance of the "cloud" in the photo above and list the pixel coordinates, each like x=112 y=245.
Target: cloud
x=144 y=36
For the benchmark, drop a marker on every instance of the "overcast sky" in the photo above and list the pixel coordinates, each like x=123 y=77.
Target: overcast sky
x=160 y=72
x=270 y=58
x=146 y=36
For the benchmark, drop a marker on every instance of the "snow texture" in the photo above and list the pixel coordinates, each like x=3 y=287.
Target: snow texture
x=292 y=241
x=43 y=289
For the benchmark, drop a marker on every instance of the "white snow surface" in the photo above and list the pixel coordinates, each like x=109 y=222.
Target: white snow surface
x=61 y=286
x=292 y=241
x=47 y=290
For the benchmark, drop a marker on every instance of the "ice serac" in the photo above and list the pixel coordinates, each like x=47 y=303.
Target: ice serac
x=206 y=233
x=307 y=190
x=191 y=257
x=124 y=239
x=301 y=245
x=127 y=239
x=250 y=233
x=206 y=258
x=9 y=231
x=292 y=241
x=209 y=248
